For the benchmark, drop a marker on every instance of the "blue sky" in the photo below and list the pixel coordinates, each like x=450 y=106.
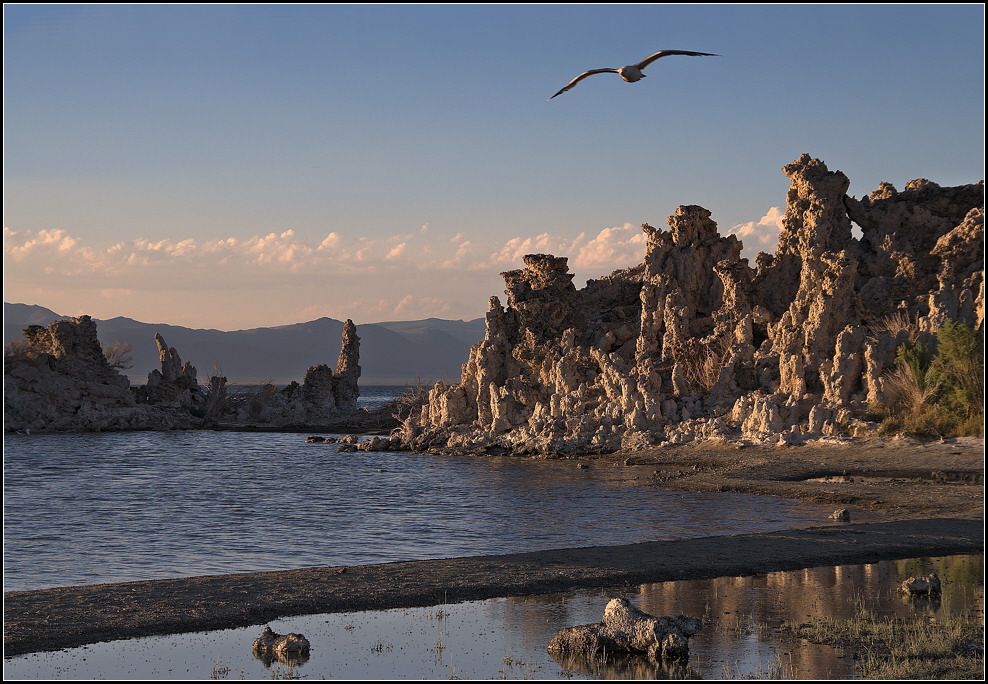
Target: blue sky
x=234 y=166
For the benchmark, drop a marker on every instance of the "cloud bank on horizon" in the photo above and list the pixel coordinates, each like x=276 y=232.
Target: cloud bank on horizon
x=364 y=274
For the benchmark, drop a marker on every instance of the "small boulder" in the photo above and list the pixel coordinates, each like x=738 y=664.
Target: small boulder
x=927 y=585
x=290 y=649
x=626 y=629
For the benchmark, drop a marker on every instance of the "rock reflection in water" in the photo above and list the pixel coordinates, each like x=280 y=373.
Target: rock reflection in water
x=508 y=638
x=270 y=658
x=624 y=666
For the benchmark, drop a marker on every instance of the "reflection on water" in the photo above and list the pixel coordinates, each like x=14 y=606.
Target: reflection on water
x=507 y=638
x=115 y=507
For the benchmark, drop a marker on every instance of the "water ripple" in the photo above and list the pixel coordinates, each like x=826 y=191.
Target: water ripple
x=111 y=507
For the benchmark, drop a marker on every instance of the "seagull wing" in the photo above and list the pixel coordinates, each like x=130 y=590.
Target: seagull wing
x=583 y=76
x=665 y=53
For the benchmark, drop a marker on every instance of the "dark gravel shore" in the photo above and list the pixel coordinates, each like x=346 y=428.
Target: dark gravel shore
x=55 y=618
x=928 y=500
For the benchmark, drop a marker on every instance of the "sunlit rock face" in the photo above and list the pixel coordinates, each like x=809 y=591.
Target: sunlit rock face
x=694 y=343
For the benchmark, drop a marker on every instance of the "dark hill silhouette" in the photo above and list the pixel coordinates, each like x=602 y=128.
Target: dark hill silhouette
x=395 y=352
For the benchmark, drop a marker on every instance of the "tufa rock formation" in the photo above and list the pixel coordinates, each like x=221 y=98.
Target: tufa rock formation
x=290 y=649
x=694 y=343
x=626 y=629
x=324 y=396
x=176 y=385
x=176 y=382
x=58 y=379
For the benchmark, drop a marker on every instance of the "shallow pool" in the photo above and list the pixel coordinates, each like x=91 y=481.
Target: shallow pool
x=507 y=638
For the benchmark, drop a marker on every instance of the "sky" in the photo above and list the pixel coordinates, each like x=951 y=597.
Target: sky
x=242 y=166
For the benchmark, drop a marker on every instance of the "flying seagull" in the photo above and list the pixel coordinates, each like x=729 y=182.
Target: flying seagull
x=633 y=72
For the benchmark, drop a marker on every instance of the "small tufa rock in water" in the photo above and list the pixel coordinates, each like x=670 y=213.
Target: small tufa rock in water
x=841 y=514
x=927 y=585
x=291 y=649
x=627 y=629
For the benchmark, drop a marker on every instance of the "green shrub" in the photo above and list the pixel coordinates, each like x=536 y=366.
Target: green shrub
x=959 y=368
x=938 y=391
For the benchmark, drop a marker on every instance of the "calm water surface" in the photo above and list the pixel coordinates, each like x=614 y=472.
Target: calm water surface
x=112 y=507
x=507 y=638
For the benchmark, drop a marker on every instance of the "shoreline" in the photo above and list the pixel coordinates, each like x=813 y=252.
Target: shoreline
x=922 y=499
x=51 y=619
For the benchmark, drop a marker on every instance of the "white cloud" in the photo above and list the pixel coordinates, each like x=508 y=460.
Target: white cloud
x=396 y=252
x=332 y=241
x=279 y=277
x=462 y=259
x=761 y=235
x=24 y=243
x=611 y=249
x=512 y=251
x=412 y=307
x=281 y=252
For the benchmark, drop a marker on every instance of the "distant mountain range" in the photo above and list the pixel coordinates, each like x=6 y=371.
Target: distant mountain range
x=391 y=353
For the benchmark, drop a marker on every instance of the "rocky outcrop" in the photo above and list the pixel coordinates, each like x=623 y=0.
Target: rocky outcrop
x=694 y=343
x=626 y=629
x=175 y=381
x=58 y=379
x=324 y=397
x=176 y=385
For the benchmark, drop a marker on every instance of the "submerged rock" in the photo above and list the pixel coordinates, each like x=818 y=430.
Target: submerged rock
x=291 y=649
x=626 y=629
x=926 y=585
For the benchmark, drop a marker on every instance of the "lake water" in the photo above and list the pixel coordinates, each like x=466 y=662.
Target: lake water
x=506 y=638
x=91 y=508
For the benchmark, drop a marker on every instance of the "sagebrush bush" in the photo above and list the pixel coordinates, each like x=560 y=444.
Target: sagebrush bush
x=939 y=389
x=959 y=368
x=118 y=355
